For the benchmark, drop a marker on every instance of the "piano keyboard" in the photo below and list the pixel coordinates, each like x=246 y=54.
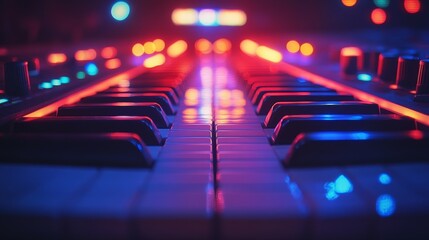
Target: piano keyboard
x=209 y=148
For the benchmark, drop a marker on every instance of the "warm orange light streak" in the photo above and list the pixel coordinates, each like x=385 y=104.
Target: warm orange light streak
x=292 y=46
x=57 y=58
x=75 y=97
x=177 y=48
x=231 y=17
x=138 y=49
x=269 y=54
x=149 y=47
x=249 y=47
x=306 y=49
x=184 y=16
x=159 y=45
x=85 y=55
x=378 y=16
x=109 y=52
x=412 y=6
x=113 y=63
x=362 y=95
x=203 y=46
x=221 y=46
x=351 y=51
x=349 y=3
x=154 y=61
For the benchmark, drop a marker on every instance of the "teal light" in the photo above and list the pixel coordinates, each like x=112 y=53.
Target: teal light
x=364 y=77
x=80 y=75
x=91 y=69
x=55 y=82
x=45 y=85
x=3 y=100
x=384 y=178
x=382 y=3
x=64 y=79
x=120 y=11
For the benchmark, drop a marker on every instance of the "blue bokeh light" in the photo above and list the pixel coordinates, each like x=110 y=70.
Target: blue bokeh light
x=120 y=11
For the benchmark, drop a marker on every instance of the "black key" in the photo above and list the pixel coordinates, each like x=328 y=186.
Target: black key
x=174 y=98
x=291 y=126
x=142 y=126
x=269 y=99
x=99 y=150
x=256 y=85
x=151 y=110
x=262 y=90
x=352 y=148
x=281 y=109
x=138 y=83
x=159 y=98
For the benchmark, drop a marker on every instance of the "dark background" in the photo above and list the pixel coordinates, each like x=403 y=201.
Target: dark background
x=45 y=21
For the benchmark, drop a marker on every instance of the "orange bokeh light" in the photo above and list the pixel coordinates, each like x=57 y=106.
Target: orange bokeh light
x=159 y=45
x=109 y=52
x=57 y=58
x=149 y=47
x=351 y=51
x=306 y=49
x=177 y=48
x=349 y=3
x=154 y=61
x=85 y=55
x=412 y=6
x=249 y=47
x=203 y=46
x=138 y=49
x=292 y=46
x=113 y=63
x=221 y=46
x=378 y=16
x=269 y=54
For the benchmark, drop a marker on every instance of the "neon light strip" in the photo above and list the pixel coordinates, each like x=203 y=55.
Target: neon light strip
x=75 y=97
x=208 y=17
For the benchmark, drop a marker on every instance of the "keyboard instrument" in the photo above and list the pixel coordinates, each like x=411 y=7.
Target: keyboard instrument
x=215 y=132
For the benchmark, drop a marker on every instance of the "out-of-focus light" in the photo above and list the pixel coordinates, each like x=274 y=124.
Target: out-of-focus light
x=113 y=63
x=412 y=6
x=207 y=17
x=154 y=61
x=249 y=47
x=80 y=75
x=138 y=49
x=364 y=77
x=45 y=85
x=159 y=45
x=64 y=79
x=177 y=48
x=384 y=179
x=91 y=69
x=222 y=45
x=55 y=82
x=3 y=100
x=3 y=51
x=203 y=46
x=149 y=47
x=292 y=46
x=378 y=16
x=184 y=16
x=351 y=51
x=57 y=58
x=120 y=11
x=231 y=17
x=109 y=52
x=85 y=55
x=268 y=54
x=385 y=205
x=306 y=49
x=349 y=3
x=382 y=3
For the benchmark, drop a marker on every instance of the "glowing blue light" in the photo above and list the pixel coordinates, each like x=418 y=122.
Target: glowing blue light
x=385 y=205
x=45 y=85
x=91 y=69
x=364 y=77
x=55 y=82
x=120 y=11
x=3 y=100
x=360 y=136
x=384 y=178
x=64 y=79
x=343 y=185
x=80 y=75
x=301 y=80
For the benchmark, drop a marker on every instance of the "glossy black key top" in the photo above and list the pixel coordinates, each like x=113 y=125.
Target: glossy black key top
x=174 y=98
x=269 y=99
x=256 y=85
x=151 y=110
x=352 y=148
x=144 y=127
x=99 y=150
x=291 y=126
x=262 y=90
x=281 y=109
x=159 y=98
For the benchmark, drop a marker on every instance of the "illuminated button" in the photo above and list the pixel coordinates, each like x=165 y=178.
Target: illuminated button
x=387 y=65
x=351 y=60
x=17 y=79
x=408 y=68
x=422 y=89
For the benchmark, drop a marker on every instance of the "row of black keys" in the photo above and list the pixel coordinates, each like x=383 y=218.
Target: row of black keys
x=111 y=128
x=326 y=128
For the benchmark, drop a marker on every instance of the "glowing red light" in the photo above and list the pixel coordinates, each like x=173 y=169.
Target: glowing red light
x=378 y=16
x=412 y=6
